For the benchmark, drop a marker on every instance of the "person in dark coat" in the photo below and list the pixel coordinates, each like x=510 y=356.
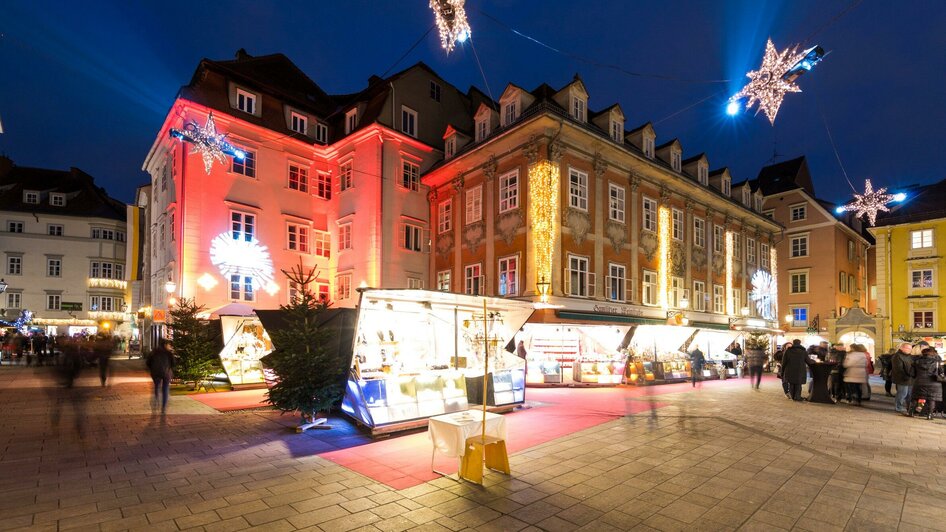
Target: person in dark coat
x=161 y=365
x=697 y=361
x=780 y=364
x=795 y=369
x=926 y=373
x=901 y=373
x=102 y=351
x=755 y=359
x=885 y=366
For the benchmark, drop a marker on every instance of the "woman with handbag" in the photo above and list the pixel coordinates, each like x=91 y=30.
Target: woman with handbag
x=927 y=374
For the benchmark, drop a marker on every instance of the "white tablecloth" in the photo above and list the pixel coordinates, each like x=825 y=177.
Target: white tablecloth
x=450 y=431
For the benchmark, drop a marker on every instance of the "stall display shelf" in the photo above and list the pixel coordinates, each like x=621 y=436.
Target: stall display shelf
x=598 y=371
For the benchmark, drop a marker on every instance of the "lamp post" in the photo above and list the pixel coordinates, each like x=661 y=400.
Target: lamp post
x=543 y=288
x=170 y=286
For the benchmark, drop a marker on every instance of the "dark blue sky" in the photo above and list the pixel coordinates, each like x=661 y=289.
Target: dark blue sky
x=88 y=84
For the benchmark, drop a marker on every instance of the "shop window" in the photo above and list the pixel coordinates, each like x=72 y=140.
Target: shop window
x=649 y=288
x=616 y=202
x=577 y=189
x=443 y=281
x=445 y=216
x=922 y=319
x=650 y=214
x=508 y=276
x=509 y=191
x=617 y=283
x=473 y=279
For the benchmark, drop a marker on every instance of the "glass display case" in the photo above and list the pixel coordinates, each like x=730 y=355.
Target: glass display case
x=245 y=343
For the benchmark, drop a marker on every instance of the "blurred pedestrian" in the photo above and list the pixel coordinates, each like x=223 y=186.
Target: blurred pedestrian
x=161 y=365
x=901 y=373
x=755 y=358
x=697 y=361
x=926 y=382
x=795 y=369
x=102 y=351
x=885 y=367
x=855 y=372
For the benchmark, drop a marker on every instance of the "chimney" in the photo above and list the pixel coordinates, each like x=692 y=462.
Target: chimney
x=242 y=54
x=6 y=164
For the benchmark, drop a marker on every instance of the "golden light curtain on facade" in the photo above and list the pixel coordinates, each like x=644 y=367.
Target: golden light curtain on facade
x=544 y=183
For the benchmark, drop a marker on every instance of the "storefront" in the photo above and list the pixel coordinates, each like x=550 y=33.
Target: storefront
x=420 y=353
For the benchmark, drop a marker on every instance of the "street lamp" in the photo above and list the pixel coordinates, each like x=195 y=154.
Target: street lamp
x=745 y=312
x=684 y=302
x=543 y=287
x=170 y=286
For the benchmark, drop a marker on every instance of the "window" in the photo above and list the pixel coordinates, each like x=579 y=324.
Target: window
x=799 y=246
x=702 y=174
x=677 y=291
x=770 y=214
x=799 y=212
x=107 y=270
x=578 y=279
x=725 y=184
x=434 y=91
x=736 y=300
x=675 y=162
x=242 y=226
x=577 y=189
x=578 y=109
x=750 y=250
x=509 y=113
x=699 y=232
x=921 y=239
x=719 y=238
x=850 y=250
x=323 y=186
x=321 y=133
x=719 y=301
x=799 y=316
x=15 y=227
x=923 y=319
x=57 y=200
x=298 y=238
x=415 y=283
x=323 y=291
x=170 y=228
x=241 y=287
x=745 y=196
x=443 y=281
x=617 y=131
x=295 y=291
x=53 y=267
x=444 y=216
x=14 y=265
x=764 y=255
x=246 y=102
x=298 y=178
x=921 y=279
x=103 y=303
x=450 y=147
x=617 y=282
x=54 y=230
x=411 y=237
x=699 y=296
x=509 y=191
x=482 y=129
x=799 y=282
x=31 y=196
x=508 y=276
x=14 y=300
x=472 y=279
x=676 y=226
x=351 y=120
x=299 y=123
x=53 y=301
x=474 y=204
x=322 y=241
x=842 y=282
x=649 y=146
x=649 y=288
x=736 y=246
x=345 y=179
x=409 y=121
x=758 y=202
x=343 y=286
x=650 y=214
x=344 y=237
x=851 y=285
x=247 y=165
x=616 y=202
x=99 y=233
x=410 y=175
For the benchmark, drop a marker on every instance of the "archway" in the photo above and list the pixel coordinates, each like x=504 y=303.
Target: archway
x=859 y=337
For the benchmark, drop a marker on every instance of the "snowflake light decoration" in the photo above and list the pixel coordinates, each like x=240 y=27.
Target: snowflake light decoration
x=207 y=142
x=246 y=258
x=870 y=203
x=772 y=81
x=764 y=292
x=452 y=23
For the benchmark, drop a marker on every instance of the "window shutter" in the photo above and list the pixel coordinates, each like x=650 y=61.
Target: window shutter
x=426 y=243
x=591 y=285
x=568 y=281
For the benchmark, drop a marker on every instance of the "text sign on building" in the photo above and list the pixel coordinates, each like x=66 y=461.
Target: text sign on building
x=70 y=307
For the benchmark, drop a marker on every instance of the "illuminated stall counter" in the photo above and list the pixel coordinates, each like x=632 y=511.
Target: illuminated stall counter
x=656 y=355
x=420 y=353
x=245 y=343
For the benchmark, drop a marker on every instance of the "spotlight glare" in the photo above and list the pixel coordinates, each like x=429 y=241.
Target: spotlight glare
x=840 y=209
x=732 y=108
x=900 y=196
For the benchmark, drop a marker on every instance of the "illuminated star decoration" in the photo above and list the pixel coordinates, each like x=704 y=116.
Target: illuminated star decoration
x=768 y=84
x=764 y=292
x=243 y=258
x=451 y=21
x=870 y=203
x=211 y=145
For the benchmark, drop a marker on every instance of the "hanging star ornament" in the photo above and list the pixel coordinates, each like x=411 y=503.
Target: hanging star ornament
x=450 y=17
x=211 y=146
x=870 y=203
x=769 y=85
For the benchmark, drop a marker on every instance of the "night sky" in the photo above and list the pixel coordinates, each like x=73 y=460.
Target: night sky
x=88 y=84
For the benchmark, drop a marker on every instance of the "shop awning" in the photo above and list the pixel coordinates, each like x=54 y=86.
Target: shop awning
x=572 y=316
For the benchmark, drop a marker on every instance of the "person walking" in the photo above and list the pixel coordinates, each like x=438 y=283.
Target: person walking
x=885 y=366
x=697 y=361
x=161 y=365
x=102 y=351
x=855 y=372
x=755 y=358
x=795 y=369
x=926 y=375
x=901 y=373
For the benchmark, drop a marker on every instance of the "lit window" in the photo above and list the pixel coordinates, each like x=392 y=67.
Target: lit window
x=246 y=101
x=719 y=301
x=616 y=202
x=923 y=319
x=921 y=279
x=57 y=200
x=321 y=133
x=242 y=226
x=799 y=212
x=30 y=196
x=322 y=240
x=14 y=227
x=474 y=204
x=345 y=179
x=799 y=246
x=351 y=120
x=323 y=292
x=799 y=316
x=676 y=226
x=444 y=216
x=411 y=237
x=344 y=237
x=699 y=232
x=247 y=165
x=434 y=91
x=699 y=296
x=54 y=230
x=472 y=279
x=577 y=189
x=649 y=288
x=53 y=267
x=410 y=175
x=799 y=282
x=509 y=191
x=323 y=186
x=921 y=239
x=750 y=250
x=298 y=178
x=509 y=276
x=299 y=123
x=579 y=281
x=617 y=282
x=443 y=281
x=53 y=302
x=409 y=121
x=298 y=238
x=650 y=214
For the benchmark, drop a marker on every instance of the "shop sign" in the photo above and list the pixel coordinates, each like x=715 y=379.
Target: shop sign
x=614 y=309
x=158 y=316
x=70 y=307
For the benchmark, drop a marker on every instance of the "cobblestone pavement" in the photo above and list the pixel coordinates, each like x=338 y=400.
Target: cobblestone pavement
x=717 y=458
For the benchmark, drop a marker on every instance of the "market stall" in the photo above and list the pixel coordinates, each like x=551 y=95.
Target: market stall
x=572 y=353
x=420 y=353
x=655 y=356
x=713 y=344
x=245 y=343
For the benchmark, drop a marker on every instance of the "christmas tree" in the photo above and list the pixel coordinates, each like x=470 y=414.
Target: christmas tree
x=192 y=338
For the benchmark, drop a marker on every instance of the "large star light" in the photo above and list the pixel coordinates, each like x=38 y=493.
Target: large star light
x=241 y=257
x=870 y=202
x=764 y=293
x=768 y=84
x=211 y=146
x=452 y=23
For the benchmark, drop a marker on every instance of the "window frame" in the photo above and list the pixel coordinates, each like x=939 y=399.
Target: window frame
x=796 y=209
x=14 y=300
x=14 y=265
x=323 y=186
x=302 y=177
x=699 y=296
x=351 y=120
x=344 y=237
x=53 y=297
x=15 y=226
x=245 y=167
x=321 y=243
x=321 y=133
x=410 y=237
x=346 y=175
x=585 y=277
x=677 y=222
x=649 y=288
x=444 y=281
x=648 y=215
x=925 y=237
x=298 y=238
x=921 y=271
x=699 y=232
x=245 y=98
x=922 y=325
x=794 y=311
x=53 y=264
x=502 y=268
x=435 y=91
x=410 y=175
x=617 y=131
x=473 y=205
x=445 y=216
x=57 y=196
x=578 y=108
x=509 y=191
x=750 y=250
x=298 y=121
x=343 y=286
x=616 y=283
x=409 y=124
x=577 y=190
x=51 y=230
x=28 y=194
x=482 y=129
x=719 y=299
x=802 y=282
x=791 y=246
x=240 y=218
x=471 y=282
x=617 y=203
x=764 y=255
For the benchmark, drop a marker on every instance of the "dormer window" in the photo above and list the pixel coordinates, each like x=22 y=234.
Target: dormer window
x=408 y=121
x=702 y=172
x=758 y=202
x=578 y=108
x=246 y=101
x=649 y=146
x=57 y=199
x=725 y=185
x=450 y=146
x=321 y=133
x=298 y=123
x=31 y=196
x=510 y=112
x=482 y=128
x=675 y=160
x=745 y=196
x=617 y=131
x=351 y=120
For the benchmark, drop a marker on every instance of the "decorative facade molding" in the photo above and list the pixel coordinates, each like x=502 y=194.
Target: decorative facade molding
x=617 y=234
x=445 y=244
x=579 y=222
x=635 y=181
x=678 y=259
x=698 y=259
x=664 y=194
x=599 y=165
x=508 y=225
x=649 y=245
x=556 y=151
x=458 y=182
x=531 y=150
x=489 y=168
x=474 y=234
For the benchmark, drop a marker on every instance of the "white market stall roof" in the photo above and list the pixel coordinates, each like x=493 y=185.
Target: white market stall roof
x=712 y=342
x=665 y=338
x=232 y=309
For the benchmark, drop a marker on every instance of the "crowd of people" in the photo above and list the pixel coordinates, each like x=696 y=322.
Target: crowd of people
x=68 y=353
